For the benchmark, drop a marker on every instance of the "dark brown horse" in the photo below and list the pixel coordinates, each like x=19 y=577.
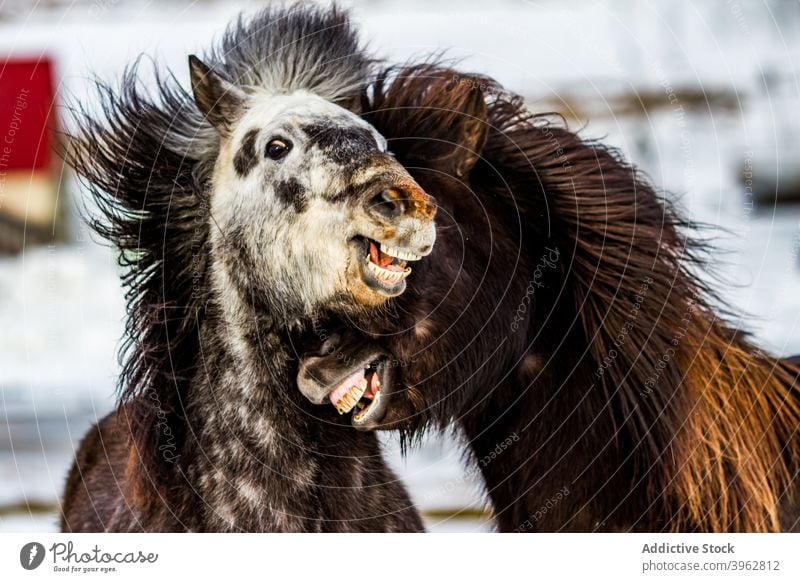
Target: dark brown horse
x=560 y=323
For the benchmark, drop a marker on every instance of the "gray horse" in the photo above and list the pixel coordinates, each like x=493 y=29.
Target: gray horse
x=241 y=213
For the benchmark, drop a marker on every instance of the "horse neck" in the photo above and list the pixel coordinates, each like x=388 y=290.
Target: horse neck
x=252 y=446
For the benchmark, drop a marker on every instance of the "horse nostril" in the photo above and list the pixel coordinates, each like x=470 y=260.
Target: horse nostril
x=387 y=204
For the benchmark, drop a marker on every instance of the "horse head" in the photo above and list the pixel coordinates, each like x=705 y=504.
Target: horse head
x=310 y=210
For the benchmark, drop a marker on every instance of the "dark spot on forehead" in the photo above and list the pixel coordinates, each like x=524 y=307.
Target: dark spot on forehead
x=343 y=144
x=245 y=159
x=292 y=193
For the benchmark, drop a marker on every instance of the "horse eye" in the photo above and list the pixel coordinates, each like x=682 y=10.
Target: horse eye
x=278 y=148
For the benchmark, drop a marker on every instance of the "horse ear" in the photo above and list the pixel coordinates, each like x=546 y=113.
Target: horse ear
x=470 y=128
x=219 y=100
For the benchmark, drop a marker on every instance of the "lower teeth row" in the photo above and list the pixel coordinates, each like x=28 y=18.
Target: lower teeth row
x=361 y=413
x=386 y=274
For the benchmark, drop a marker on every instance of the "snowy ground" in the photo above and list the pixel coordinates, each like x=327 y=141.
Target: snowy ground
x=61 y=309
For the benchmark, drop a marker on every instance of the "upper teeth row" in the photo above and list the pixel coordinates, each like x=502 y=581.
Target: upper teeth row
x=386 y=275
x=349 y=400
x=398 y=254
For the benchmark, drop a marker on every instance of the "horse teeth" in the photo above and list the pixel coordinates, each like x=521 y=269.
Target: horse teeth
x=356 y=392
x=387 y=275
x=347 y=402
x=342 y=405
x=398 y=254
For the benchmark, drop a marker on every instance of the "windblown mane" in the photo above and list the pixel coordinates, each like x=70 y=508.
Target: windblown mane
x=147 y=161
x=721 y=416
x=709 y=419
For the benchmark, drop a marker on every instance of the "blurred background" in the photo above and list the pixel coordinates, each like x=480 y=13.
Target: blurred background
x=702 y=94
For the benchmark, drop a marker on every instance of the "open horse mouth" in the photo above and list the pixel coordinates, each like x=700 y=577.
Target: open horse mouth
x=360 y=393
x=384 y=267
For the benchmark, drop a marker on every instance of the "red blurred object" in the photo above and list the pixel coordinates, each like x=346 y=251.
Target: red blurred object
x=26 y=101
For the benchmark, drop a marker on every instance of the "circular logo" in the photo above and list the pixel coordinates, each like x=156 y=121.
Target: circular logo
x=31 y=555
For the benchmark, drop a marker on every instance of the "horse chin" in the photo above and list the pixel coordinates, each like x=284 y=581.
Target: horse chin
x=379 y=288
x=366 y=295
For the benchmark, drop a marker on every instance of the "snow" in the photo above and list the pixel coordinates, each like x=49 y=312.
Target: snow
x=61 y=315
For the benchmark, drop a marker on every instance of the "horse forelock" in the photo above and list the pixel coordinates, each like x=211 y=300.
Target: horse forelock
x=302 y=48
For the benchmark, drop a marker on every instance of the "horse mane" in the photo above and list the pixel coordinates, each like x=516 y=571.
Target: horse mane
x=710 y=419
x=147 y=161
x=718 y=414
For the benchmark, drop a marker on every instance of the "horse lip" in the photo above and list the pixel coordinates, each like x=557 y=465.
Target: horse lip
x=388 y=289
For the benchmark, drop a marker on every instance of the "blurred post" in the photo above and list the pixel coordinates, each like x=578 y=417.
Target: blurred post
x=29 y=202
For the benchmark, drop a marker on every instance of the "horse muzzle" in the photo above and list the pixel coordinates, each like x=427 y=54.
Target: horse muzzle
x=398 y=229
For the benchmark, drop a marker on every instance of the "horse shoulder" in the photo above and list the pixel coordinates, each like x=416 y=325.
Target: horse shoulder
x=101 y=493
